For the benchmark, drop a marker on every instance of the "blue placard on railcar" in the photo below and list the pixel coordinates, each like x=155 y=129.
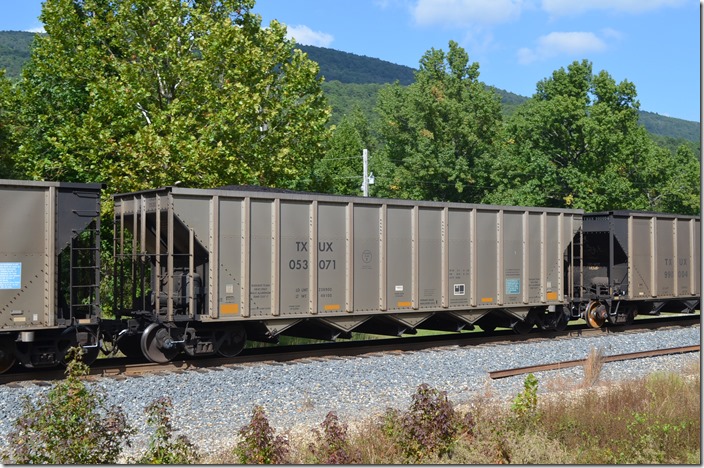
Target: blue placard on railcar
x=10 y=275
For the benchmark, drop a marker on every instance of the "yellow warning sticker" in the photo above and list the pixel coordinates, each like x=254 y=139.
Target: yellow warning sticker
x=332 y=307
x=487 y=299
x=229 y=308
x=403 y=304
x=552 y=296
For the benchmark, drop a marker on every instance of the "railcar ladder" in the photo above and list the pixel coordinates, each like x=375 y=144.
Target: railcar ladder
x=577 y=267
x=84 y=278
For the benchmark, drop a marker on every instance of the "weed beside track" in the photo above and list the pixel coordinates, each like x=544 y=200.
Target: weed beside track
x=653 y=419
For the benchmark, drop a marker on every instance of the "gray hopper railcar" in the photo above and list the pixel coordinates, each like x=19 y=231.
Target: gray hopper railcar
x=49 y=271
x=205 y=270
x=638 y=263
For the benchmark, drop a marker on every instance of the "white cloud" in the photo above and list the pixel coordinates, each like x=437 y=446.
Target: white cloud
x=611 y=33
x=575 y=7
x=464 y=13
x=384 y=4
x=562 y=43
x=304 y=35
x=38 y=29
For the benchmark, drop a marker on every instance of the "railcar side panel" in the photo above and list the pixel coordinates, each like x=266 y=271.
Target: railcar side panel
x=536 y=261
x=554 y=251
x=260 y=261
x=640 y=254
x=459 y=258
x=513 y=283
x=332 y=258
x=486 y=267
x=367 y=258
x=695 y=269
x=230 y=281
x=399 y=258
x=430 y=258
x=295 y=258
x=27 y=235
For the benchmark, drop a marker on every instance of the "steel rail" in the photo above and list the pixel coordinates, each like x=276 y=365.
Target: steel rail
x=120 y=368
x=500 y=374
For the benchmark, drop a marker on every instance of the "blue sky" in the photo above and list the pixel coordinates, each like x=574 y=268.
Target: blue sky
x=653 y=43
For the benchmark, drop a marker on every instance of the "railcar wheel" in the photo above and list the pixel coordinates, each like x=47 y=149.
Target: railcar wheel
x=130 y=346
x=632 y=312
x=554 y=321
x=561 y=322
x=157 y=344
x=7 y=354
x=230 y=342
x=595 y=314
x=522 y=327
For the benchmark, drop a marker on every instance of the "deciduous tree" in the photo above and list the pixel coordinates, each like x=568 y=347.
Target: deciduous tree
x=577 y=143
x=340 y=171
x=436 y=131
x=142 y=93
x=8 y=116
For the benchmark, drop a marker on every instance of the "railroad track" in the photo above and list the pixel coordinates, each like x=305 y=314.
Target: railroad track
x=500 y=374
x=120 y=368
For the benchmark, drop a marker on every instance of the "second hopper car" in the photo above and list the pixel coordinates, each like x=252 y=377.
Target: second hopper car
x=637 y=263
x=202 y=271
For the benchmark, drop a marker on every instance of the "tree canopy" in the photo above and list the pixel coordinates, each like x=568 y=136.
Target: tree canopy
x=142 y=93
x=8 y=144
x=435 y=132
x=577 y=143
x=341 y=170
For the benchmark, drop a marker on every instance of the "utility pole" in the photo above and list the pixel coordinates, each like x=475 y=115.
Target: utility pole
x=367 y=178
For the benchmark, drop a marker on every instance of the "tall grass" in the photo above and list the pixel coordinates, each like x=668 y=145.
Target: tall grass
x=651 y=420
x=655 y=419
x=592 y=366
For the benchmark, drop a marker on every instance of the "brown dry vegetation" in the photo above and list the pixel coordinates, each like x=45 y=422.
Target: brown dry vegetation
x=655 y=419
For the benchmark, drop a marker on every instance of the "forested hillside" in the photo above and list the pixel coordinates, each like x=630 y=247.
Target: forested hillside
x=353 y=81
x=14 y=51
x=359 y=77
x=350 y=68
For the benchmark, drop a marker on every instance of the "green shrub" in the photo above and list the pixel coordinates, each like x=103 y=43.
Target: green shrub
x=430 y=427
x=525 y=405
x=163 y=450
x=71 y=425
x=332 y=447
x=259 y=445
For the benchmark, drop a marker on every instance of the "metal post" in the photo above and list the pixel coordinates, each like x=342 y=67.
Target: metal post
x=365 y=180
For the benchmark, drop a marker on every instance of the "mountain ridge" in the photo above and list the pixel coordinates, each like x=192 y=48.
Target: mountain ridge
x=357 y=71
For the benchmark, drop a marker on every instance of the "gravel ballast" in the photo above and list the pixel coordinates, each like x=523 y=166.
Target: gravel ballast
x=210 y=407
